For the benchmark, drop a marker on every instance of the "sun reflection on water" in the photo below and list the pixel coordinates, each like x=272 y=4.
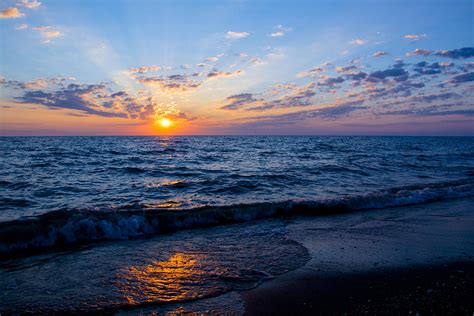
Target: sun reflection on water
x=181 y=277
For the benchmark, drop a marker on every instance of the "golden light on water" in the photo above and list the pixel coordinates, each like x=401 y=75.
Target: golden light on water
x=173 y=279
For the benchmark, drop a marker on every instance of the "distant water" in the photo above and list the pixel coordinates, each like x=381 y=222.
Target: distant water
x=59 y=190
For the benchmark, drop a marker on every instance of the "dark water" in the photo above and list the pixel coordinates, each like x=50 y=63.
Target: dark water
x=68 y=189
x=85 y=222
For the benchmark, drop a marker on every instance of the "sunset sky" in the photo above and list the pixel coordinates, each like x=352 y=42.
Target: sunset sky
x=236 y=67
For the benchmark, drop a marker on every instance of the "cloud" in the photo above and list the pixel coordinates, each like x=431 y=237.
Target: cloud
x=397 y=73
x=74 y=97
x=331 y=112
x=236 y=35
x=281 y=31
x=30 y=4
x=345 y=69
x=277 y=34
x=424 y=68
x=379 y=54
x=11 y=13
x=419 y=52
x=47 y=32
x=212 y=59
x=22 y=26
x=237 y=101
x=358 y=41
x=314 y=71
x=36 y=84
x=221 y=74
x=461 y=53
x=180 y=116
x=257 y=61
x=330 y=81
x=435 y=110
x=356 y=76
x=465 y=77
x=174 y=83
x=435 y=97
x=401 y=88
x=414 y=37
x=298 y=96
x=183 y=82
x=144 y=69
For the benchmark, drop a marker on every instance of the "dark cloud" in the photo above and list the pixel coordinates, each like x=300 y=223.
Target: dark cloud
x=425 y=68
x=465 y=77
x=435 y=97
x=238 y=101
x=356 y=76
x=90 y=99
x=403 y=88
x=332 y=112
x=330 y=81
x=399 y=74
x=436 y=110
x=461 y=53
x=301 y=96
x=400 y=64
x=74 y=97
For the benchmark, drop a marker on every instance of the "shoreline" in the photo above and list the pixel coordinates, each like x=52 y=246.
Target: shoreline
x=439 y=288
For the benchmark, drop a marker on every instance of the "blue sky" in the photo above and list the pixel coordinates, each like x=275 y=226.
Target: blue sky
x=224 y=66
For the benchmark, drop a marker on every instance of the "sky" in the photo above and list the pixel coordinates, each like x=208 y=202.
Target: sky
x=143 y=67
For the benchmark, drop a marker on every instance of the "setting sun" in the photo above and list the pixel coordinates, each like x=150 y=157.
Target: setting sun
x=165 y=122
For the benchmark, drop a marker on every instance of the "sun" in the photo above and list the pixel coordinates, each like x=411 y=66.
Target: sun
x=164 y=122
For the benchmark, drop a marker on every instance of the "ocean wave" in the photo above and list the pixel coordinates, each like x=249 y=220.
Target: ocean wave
x=66 y=227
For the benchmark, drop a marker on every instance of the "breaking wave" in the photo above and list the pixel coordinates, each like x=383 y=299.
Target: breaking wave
x=72 y=226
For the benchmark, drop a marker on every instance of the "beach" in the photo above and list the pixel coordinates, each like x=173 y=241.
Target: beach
x=414 y=264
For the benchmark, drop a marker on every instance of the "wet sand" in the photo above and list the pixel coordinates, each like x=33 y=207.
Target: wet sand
x=403 y=260
x=437 y=289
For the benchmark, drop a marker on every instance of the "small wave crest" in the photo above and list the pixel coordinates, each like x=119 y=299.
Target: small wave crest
x=67 y=227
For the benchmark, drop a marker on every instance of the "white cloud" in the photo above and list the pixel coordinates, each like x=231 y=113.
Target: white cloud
x=22 y=26
x=236 y=35
x=379 y=54
x=414 y=37
x=213 y=59
x=277 y=34
x=358 y=41
x=419 y=52
x=30 y=4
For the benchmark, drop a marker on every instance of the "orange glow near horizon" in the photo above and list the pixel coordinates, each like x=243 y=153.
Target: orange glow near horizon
x=164 y=122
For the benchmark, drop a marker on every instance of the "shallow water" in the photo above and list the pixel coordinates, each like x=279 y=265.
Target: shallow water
x=184 y=266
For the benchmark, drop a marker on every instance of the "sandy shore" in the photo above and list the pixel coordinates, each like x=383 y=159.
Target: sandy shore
x=444 y=289
x=404 y=260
